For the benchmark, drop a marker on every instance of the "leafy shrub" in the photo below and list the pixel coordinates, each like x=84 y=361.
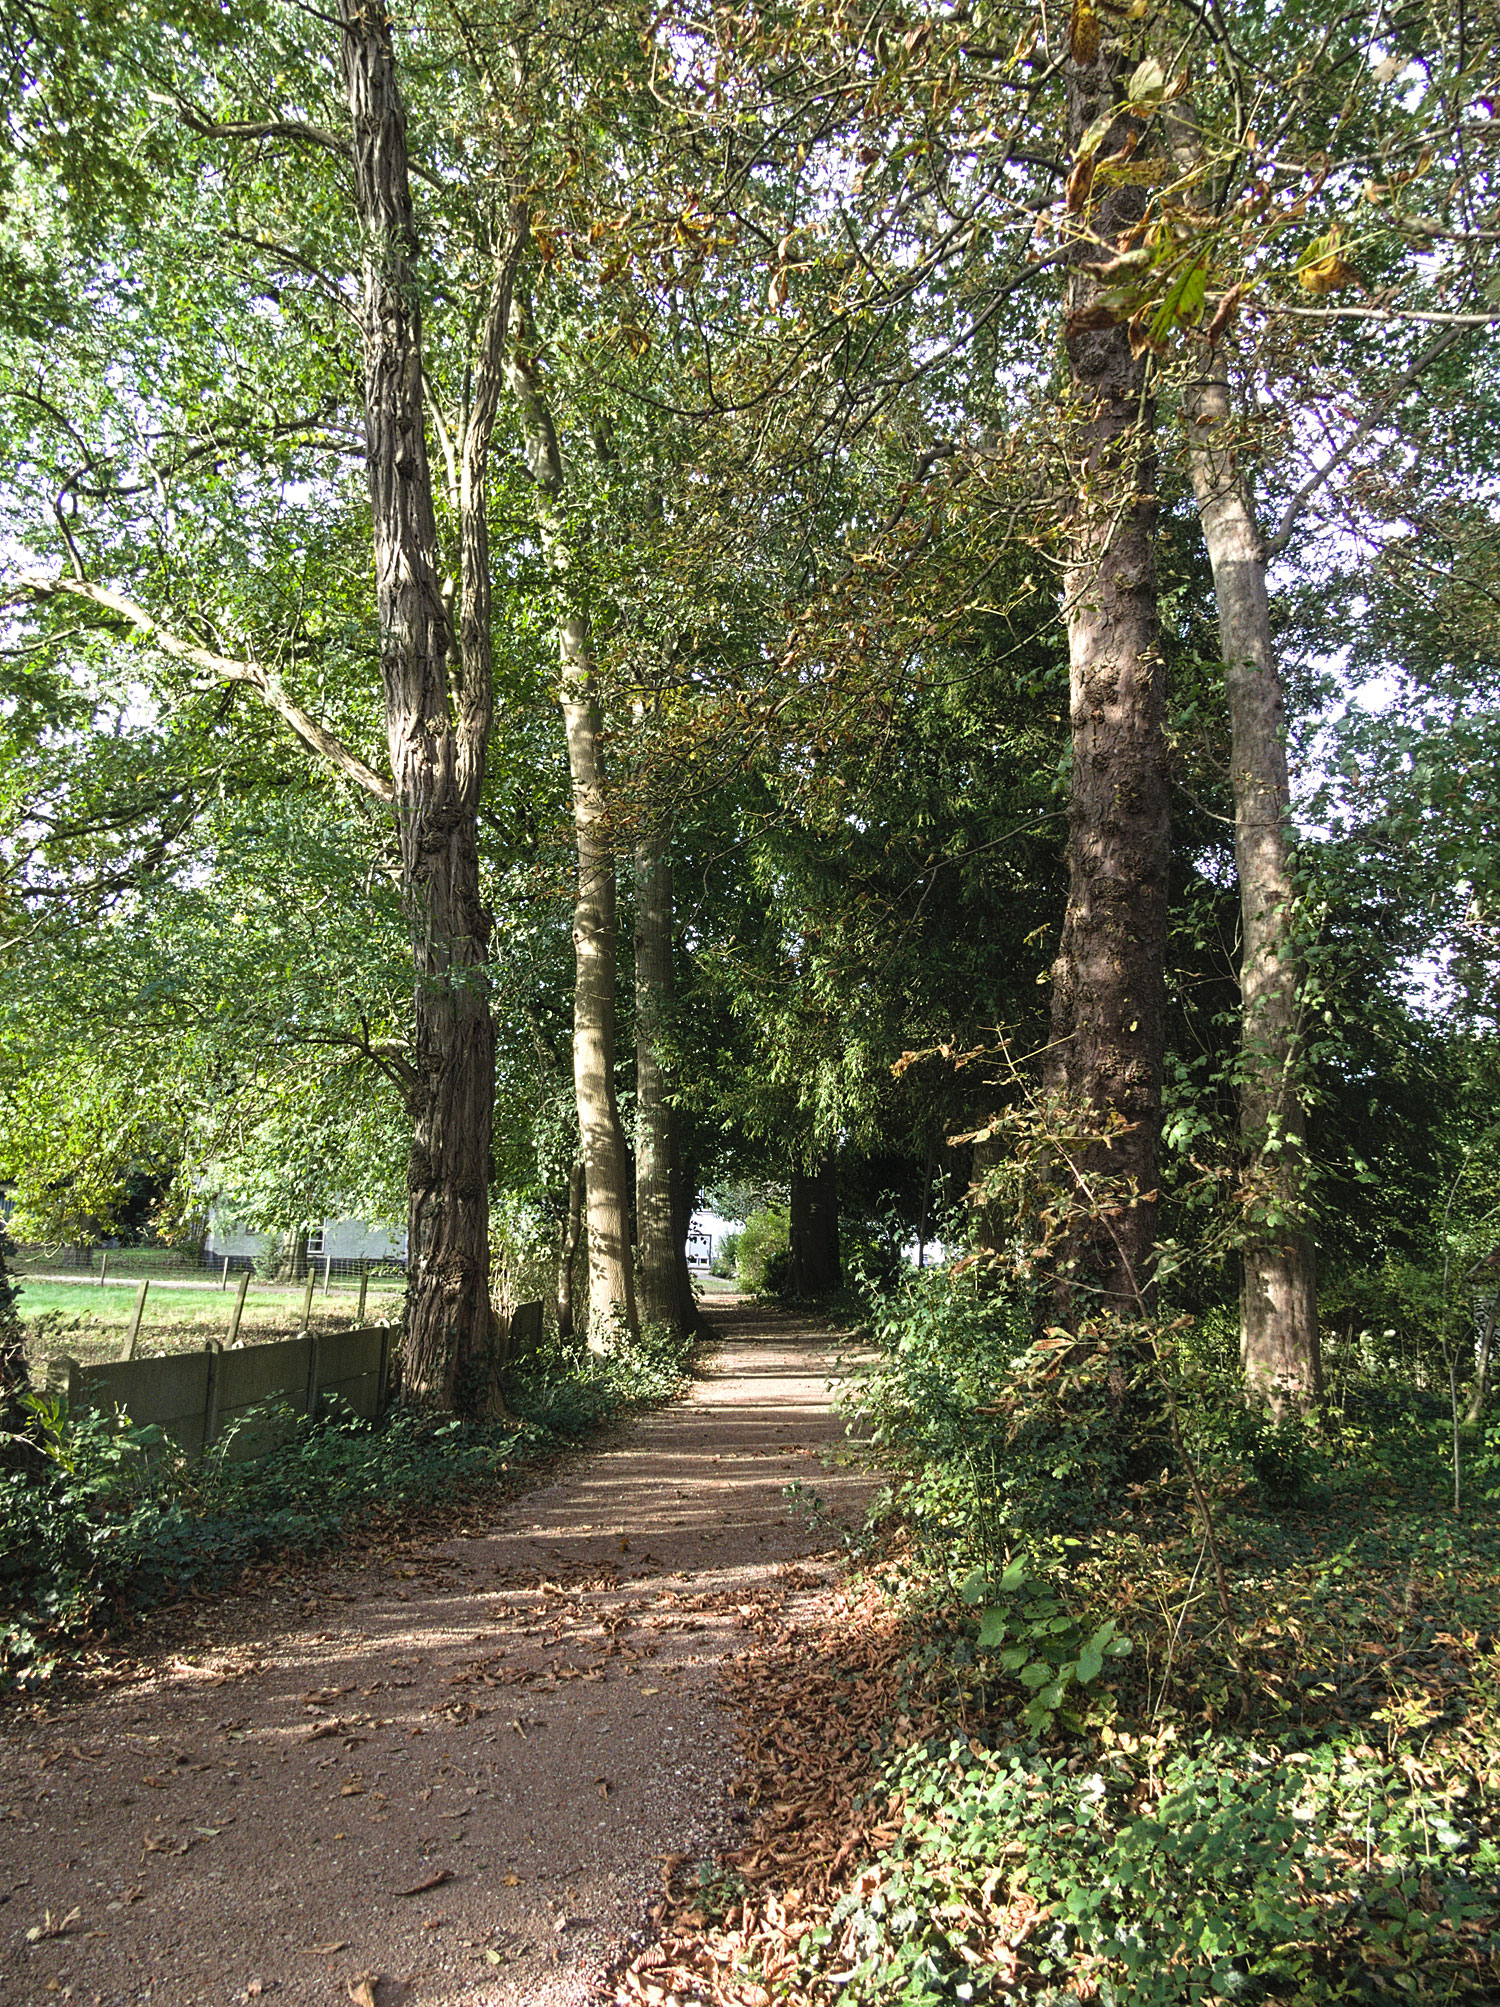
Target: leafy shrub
x=1157 y=1875
x=764 y=1251
x=992 y=1436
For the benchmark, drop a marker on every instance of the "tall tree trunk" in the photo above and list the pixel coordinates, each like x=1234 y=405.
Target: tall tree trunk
x=606 y=1166
x=1109 y=1001
x=813 y=1267
x=571 y=1234
x=438 y=713
x=1278 y=1289
x=1479 y=1392
x=655 y=1152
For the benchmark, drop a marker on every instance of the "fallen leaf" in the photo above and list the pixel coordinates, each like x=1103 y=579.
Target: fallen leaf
x=510 y=1881
x=650 y=1689
x=432 y=1882
x=326 y=1950
x=378 y=1989
x=51 y=1926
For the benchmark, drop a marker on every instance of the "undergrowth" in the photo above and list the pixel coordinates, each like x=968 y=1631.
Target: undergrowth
x=1224 y=1692
x=104 y=1519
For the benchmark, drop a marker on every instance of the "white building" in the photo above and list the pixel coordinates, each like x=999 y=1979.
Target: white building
x=707 y=1233
x=347 y=1243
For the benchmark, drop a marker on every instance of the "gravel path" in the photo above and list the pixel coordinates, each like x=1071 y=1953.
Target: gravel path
x=460 y=1770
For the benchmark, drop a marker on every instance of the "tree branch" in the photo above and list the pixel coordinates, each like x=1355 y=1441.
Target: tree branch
x=275 y=128
x=220 y=669
x=1276 y=544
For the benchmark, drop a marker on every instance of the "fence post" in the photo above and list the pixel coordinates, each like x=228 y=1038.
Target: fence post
x=312 y=1276
x=224 y=1278
x=383 y=1383
x=211 y=1397
x=327 y=1272
x=62 y=1379
x=239 y=1306
x=364 y=1290
x=312 y=1376
x=132 y=1336
x=103 y=1267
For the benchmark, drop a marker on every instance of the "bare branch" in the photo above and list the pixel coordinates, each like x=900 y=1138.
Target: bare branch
x=1276 y=544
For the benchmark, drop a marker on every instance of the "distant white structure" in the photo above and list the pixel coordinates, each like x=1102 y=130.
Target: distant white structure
x=707 y=1233
x=340 y=1241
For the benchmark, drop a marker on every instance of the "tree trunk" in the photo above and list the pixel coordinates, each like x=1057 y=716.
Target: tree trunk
x=1278 y=1291
x=683 y=1193
x=16 y=1452
x=813 y=1268
x=438 y=714
x=1479 y=1392
x=611 y=1277
x=572 y=1232
x=655 y=1152
x=1109 y=1001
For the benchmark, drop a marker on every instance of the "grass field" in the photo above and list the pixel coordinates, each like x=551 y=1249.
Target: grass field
x=89 y=1322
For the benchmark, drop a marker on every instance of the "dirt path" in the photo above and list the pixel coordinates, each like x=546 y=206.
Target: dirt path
x=461 y=1770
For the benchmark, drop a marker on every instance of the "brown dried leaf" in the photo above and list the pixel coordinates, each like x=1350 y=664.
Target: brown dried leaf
x=378 y=1989
x=432 y=1882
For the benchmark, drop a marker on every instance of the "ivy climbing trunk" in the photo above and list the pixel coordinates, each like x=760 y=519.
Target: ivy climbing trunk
x=437 y=713
x=1109 y=1001
x=1279 y=1346
x=661 y=1271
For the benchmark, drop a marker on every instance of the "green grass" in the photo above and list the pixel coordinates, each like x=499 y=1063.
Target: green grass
x=88 y=1322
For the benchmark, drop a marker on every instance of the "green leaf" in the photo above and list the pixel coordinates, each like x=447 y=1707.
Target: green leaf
x=976 y=1588
x=992 y=1629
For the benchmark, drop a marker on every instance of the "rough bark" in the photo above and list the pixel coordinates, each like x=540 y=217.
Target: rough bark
x=567 y=1251
x=655 y=1143
x=1279 y=1346
x=611 y=1276
x=1108 y=1005
x=438 y=707
x=813 y=1264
